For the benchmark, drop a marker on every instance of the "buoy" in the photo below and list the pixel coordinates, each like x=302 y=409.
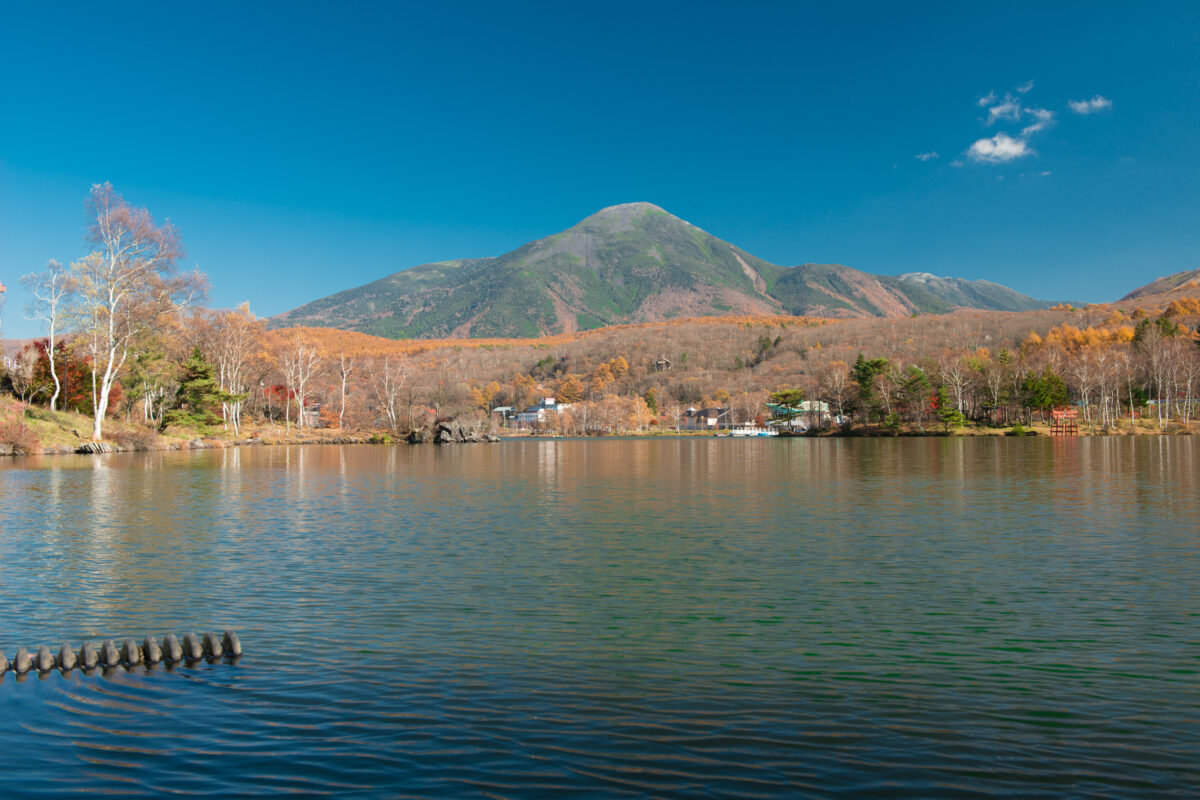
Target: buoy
x=88 y=657
x=44 y=660
x=172 y=652
x=212 y=646
x=231 y=643
x=191 y=648
x=109 y=657
x=66 y=658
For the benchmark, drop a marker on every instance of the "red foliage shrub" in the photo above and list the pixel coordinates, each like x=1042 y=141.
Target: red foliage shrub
x=15 y=434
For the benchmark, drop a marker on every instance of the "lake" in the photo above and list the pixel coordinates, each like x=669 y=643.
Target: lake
x=963 y=617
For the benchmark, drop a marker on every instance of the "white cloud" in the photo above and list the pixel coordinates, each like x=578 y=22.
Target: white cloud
x=1005 y=147
x=1009 y=109
x=1042 y=119
x=926 y=156
x=999 y=149
x=1097 y=103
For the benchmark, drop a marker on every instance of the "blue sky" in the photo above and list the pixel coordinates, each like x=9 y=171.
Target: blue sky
x=303 y=149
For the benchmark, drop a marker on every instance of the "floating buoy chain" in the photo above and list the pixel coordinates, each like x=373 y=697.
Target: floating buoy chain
x=171 y=650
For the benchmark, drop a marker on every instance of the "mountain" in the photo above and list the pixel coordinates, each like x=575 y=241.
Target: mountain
x=627 y=263
x=1179 y=284
x=10 y=347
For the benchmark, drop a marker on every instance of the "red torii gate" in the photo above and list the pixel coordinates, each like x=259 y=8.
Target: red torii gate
x=1064 y=422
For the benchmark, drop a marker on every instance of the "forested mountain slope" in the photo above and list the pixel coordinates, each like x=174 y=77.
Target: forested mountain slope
x=626 y=264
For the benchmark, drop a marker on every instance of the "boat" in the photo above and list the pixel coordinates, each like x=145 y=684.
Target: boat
x=750 y=429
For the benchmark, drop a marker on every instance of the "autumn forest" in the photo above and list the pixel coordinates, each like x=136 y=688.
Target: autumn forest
x=130 y=346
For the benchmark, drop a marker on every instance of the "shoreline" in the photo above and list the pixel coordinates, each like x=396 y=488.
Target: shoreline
x=377 y=438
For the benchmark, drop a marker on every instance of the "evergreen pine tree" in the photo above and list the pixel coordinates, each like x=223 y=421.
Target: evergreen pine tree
x=950 y=416
x=199 y=397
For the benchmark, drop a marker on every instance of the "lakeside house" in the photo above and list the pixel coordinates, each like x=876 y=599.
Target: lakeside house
x=706 y=419
x=536 y=415
x=806 y=414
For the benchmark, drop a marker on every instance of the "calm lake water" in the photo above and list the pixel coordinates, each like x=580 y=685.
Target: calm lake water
x=606 y=618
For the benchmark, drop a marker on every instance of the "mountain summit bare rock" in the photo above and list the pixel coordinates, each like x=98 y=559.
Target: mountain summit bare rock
x=627 y=263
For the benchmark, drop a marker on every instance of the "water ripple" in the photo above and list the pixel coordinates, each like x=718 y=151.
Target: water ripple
x=936 y=618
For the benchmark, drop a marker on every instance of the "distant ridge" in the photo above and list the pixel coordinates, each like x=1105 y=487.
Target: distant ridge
x=628 y=263
x=1181 y=283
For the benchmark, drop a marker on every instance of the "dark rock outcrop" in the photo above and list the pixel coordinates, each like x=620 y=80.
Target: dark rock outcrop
x=451 y=433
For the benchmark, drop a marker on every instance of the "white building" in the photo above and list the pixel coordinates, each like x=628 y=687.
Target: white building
x=537 y=414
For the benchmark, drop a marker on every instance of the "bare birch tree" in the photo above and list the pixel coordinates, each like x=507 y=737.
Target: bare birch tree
x=955 y=375
x=299 y=361
x=233 y=339
x=23 y=378
x=388 y=379
x=49 y=290
x=835 y=382
x=345 y=367
x=125 y=287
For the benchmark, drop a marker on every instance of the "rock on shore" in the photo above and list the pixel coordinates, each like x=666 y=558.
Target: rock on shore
x=457 y=434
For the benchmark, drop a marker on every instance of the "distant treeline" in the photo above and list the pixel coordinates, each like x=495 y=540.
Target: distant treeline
x=127 y=339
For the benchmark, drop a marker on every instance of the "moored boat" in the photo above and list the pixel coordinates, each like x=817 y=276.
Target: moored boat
x=750 y=429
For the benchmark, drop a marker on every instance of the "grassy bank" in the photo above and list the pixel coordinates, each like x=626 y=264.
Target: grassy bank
x=41 y=431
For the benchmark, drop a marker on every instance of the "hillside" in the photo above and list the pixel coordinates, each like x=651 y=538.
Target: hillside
x=629 y=263
x=1178 y=285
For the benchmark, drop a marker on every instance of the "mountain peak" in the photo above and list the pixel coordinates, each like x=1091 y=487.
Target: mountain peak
x=628 y=208
x=623 y=216
x=920 y=277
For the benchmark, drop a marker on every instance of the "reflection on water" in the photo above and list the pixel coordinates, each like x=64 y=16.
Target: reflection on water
x=931 y=617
